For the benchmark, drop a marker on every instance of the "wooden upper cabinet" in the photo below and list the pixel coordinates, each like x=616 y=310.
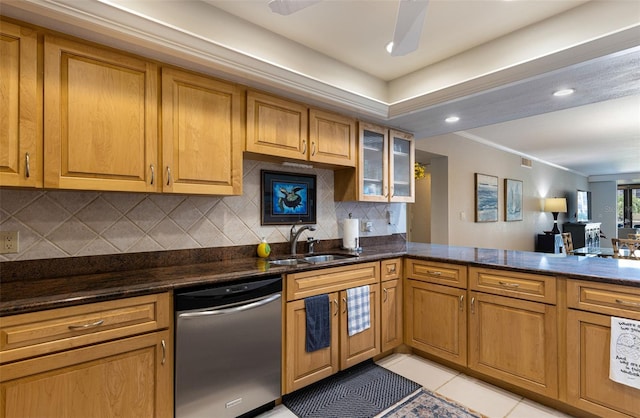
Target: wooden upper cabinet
x=401 y=167
x=202 y=134
x=101 y=118
x=20 y=101
x=276 y=127
x=333 y=138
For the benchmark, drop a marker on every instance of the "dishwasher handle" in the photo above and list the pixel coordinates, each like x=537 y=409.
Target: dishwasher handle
x=260 y=302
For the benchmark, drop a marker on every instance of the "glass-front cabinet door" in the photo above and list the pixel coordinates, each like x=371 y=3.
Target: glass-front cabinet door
x=401 y=170
x=374 y=165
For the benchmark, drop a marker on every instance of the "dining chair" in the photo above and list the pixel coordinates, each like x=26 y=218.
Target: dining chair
x=626 y=248
x=567 y=241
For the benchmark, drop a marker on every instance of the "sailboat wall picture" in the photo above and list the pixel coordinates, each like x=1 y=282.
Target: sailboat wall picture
x=512 y=200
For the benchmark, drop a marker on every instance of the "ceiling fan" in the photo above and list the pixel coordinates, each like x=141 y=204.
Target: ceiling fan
x=409 y=23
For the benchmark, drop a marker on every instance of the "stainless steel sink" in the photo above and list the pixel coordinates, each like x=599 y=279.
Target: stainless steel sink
x=323 y=258
x=286 y=262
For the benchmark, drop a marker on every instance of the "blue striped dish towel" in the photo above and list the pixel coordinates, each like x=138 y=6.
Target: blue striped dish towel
x=318 y=323
x=358 y=310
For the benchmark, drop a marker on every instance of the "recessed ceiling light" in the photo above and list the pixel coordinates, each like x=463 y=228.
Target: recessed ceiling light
x=389 y=47
x=563 y=92
x=452 y=119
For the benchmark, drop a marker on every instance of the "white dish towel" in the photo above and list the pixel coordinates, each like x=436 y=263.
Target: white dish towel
x=624 y=364
x=358 y=310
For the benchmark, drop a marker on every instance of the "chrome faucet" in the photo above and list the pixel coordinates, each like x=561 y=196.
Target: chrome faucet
x=294 y=235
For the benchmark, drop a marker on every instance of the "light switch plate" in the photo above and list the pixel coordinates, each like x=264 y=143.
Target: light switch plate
x=9 y=242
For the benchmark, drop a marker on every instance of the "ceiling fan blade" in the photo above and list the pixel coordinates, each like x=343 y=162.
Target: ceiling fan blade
x=406 y=36
x=286 y=7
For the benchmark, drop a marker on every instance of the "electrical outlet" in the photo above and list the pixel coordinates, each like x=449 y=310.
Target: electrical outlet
x=367 y=226
x=8 y=242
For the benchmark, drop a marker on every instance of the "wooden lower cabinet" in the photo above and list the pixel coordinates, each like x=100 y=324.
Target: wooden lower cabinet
x=363 y=345
x=391 y=314
x=515 y=341
x=436 y=320
x=303 y=368
x=588 y=384
x=131 y=377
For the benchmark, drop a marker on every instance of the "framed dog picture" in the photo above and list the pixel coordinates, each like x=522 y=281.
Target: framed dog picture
x=287 y=198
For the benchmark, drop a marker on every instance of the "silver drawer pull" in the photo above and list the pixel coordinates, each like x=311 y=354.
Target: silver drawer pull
x=164 y=352
x=384 y=290
x=505 y=284
x=27 y=165
x=86 y=326
x=626 y=302
x=435 y=273
x=461 y=304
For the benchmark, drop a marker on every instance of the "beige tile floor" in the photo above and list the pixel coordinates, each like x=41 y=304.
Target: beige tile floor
x=473 y=393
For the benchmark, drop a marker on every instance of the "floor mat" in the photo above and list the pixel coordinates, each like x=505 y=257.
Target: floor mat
x=362 y=391
x=426 y=404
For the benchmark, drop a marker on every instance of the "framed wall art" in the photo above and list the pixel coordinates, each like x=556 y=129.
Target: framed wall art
x=287 y=198
x=486 y=198
x=512 y=200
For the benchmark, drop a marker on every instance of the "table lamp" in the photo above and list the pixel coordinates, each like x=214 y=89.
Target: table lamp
x=555 y=205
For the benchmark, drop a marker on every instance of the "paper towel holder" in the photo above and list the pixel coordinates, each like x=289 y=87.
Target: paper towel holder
x=357 y=248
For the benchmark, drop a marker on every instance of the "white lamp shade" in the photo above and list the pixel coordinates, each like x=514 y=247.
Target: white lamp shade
x=555 y=204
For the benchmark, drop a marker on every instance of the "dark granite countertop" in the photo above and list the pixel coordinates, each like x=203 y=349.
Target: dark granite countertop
x=25 y=287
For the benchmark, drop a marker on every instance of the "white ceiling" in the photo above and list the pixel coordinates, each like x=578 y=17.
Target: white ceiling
x=494 y=63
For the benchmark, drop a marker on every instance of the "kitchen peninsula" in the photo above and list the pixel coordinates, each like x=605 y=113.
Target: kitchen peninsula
x=486 y=298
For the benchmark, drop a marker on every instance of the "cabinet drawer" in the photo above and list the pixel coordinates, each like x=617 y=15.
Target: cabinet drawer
x=390 y=269
x=38 y=333
x=604 y=298
x=316 y=282
x=508 y=283
x=434 y=272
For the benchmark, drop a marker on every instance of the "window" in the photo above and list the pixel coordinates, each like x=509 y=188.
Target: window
x=629 y=206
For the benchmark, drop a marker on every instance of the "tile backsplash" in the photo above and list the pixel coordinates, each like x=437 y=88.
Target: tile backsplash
x=60 y=223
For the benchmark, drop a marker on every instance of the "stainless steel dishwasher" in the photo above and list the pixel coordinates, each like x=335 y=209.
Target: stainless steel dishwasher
x=228 y=349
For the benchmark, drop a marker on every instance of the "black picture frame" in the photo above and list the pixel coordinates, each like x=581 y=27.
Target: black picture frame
x=287 y=198
x=513 y=191
x=486 y=198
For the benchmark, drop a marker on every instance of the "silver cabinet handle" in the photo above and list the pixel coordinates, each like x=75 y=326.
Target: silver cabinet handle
x=313 y=149
x=27 y=165
x=164 y=352
x=473 y=302
x=344 y=300
x=461 y=303
x=234 y=309
x=385 y=294
x=505 y=284
x=435 y=273
x=153 y=174
x=304 y=146
x=168 y=176
x=86 y=326
x=335 y=302
x=626 y=302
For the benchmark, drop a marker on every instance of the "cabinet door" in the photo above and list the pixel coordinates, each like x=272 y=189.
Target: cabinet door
x=100 y=125
x=333 y=138
x=436 y=320
x=20 y=124
x=276 y=127
x=391 y=313
x=588 y=384
x=514 y=340
x=363 y=345
x=132 y=377
x=201 y=135
x=301 y=367
x=401 y=167
x=373 y=163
